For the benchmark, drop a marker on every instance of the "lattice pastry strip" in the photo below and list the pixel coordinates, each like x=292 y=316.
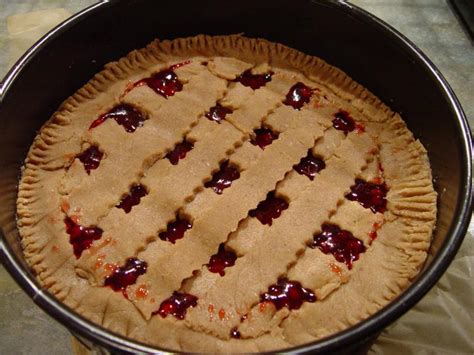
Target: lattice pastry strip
x=292 y=186
x=60 y=142
x=62 y=139
x=228 y=67
x=211 y=225
x=369 y=291
x=98 y=261
x=250 y=276
x=283 y=120
x=168 y=186
x=320 y=272
x=164 y=128
x=248 y=117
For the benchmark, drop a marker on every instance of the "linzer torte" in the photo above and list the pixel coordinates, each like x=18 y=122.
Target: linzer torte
x=225 y=194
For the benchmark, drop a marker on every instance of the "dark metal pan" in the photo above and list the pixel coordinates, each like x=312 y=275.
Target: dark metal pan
x=369 y=50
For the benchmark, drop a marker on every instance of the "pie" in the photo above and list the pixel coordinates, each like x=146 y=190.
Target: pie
x=225 y=194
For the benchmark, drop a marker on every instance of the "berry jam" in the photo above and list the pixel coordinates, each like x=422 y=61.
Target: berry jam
x=176 y=305
x=373 y=233
x=126 y=275
x=179 y=65
x=223 y=178
x=254 y=81
x=234 y=333
x=81 y=237
x=133 y=198
x=269 y=209
x=343 y=122
x=175 y=230
x=298 y=95
x=91 y=158
x=218 y=113
x=288 y=294
x=125 y=115
x=341 y=243
x=369 y=195
x=179 y=152
x=360 y=128
x=164 y=83
x=310 y=166
x=263 y=137
x=218 y=262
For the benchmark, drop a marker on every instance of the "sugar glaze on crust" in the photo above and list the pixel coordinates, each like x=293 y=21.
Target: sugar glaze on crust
x=232 y=311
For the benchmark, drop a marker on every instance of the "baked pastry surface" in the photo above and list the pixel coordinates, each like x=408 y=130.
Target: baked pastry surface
x=225 y=194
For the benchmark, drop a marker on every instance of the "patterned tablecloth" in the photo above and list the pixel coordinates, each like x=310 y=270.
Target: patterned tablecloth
x=441 y=323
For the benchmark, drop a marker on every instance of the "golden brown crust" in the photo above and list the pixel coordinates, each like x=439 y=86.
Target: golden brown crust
x=54 y=184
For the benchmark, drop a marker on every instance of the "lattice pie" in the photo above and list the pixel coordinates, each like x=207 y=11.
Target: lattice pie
x=225 y=194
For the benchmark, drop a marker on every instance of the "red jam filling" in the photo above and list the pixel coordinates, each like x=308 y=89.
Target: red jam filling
x=125 y=115
x=91 y=158
x=179 y=152
x=126 y=275
x=340 y=243
x=133 y=198
x=223 y=178
x=263 y=137
x=177 y=305
x=269 y=209
x=218 y=113
x=175 y=230
x=310 y=166
x=254 y=81
x=286 y=293
x=298 y=95
x=81 y=237
x=234 y=333
x=179 y=65
x=369 y=195
x=373 y=233
x=218 y=262
x=164 y=83
x=343 y=122
x=360 y=128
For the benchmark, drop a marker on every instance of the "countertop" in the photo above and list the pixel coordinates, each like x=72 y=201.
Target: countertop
x=431 y=24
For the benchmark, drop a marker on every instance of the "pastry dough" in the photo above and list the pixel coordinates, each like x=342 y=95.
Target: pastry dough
x=228 y=312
